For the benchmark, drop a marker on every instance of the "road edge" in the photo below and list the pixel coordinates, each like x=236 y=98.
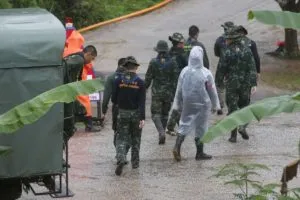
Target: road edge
x=134 y=14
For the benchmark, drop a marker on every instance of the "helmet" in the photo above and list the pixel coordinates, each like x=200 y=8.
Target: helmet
x=228 y=24
x=178 y=37
x=232 y=33
x=162 y=46
x=132 y=60
x=242 y=29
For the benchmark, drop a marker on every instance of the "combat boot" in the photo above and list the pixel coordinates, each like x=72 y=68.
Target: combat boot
x=162 y=139
x=160 y=129
x=119 y=169
x=233 y=136
x=89 y=127
x=177 y=147
x=200 y=155
x=220 y=112
x=242 y=131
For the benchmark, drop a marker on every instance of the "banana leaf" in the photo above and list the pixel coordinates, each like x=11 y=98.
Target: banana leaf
x=256 y=111
x=286 y=19
x=5 y=150
x=31 y=110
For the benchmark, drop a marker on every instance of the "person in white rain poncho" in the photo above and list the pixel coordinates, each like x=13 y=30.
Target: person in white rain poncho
x=196 y=96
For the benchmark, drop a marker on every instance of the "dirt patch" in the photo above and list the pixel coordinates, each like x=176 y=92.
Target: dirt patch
x=283 y=74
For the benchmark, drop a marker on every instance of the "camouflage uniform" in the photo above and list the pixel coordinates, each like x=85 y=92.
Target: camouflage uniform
x=219 y=48
x=182 y=61
x=238 y=67
x=163 y=72
x=128 y=134
x=129 y=94
x=252 y=45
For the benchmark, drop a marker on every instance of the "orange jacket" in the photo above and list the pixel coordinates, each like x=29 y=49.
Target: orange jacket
x=84 y=99
x=74 y=43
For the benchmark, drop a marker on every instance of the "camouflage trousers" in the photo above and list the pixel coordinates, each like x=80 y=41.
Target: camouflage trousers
x=160 y=112
x=237 y=98
x=173 y=120
x=128 y=133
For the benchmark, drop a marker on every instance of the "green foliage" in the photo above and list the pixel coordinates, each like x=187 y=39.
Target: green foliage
x=5 y=150
x=241 y=176
x=285 y=19
x=83 y=12
x=5 y=4
x=256 y=111
x=32 y=110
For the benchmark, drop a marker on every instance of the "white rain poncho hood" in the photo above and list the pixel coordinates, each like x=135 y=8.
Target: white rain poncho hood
x=195 y=95
x=196 y=57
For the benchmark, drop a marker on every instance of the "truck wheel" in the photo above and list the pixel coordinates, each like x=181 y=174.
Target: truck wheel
x=10 y=190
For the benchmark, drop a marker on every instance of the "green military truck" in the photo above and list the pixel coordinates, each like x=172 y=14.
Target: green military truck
x=31 y=63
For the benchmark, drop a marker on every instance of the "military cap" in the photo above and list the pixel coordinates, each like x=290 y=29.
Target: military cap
x=228 y=24
x=132 y=60
x=232 y=33
x=178 y=37
x=162 y=46
x=242 y=29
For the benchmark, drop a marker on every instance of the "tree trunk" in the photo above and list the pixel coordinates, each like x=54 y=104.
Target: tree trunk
x=291 y=42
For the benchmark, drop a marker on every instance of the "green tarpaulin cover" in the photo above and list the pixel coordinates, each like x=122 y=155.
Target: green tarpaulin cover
x=32 y=42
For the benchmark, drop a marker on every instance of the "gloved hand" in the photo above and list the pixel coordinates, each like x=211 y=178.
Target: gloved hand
x=253 y=90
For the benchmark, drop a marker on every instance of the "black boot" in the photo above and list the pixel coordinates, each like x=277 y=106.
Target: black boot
x=176 y=150
x=162 y=139
x=233 y=136
x=243 y=132
x=200 y=155
x=160 y=129
x=119 y=169
x=220 y=112
x=89 y=127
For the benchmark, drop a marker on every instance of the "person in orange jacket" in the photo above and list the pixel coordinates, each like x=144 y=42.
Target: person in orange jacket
x=74 y=44
x=85 y=100
x=74 y=40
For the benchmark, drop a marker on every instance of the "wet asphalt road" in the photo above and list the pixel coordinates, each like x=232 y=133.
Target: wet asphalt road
x=273 y=141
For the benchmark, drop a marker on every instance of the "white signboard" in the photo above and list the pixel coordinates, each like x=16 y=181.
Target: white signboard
x=94 y=96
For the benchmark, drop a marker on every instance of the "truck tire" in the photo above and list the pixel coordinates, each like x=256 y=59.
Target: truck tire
x=10 y=189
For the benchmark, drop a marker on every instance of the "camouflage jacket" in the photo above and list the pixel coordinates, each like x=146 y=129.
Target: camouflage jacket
x=163 y=74
x=109 y=83
x=237 y=66
x=190 y=43
x=180 y=56
x=252 y=45
x=73 y=66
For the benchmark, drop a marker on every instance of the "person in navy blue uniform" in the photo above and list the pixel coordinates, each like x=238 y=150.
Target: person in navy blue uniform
x=129 y=94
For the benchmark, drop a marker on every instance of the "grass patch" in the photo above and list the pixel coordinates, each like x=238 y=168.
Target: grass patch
x=83 y=12
x=113 y=8
x=287 y=77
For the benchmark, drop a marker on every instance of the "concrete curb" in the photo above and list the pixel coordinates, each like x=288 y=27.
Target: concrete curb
x=134 y=14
